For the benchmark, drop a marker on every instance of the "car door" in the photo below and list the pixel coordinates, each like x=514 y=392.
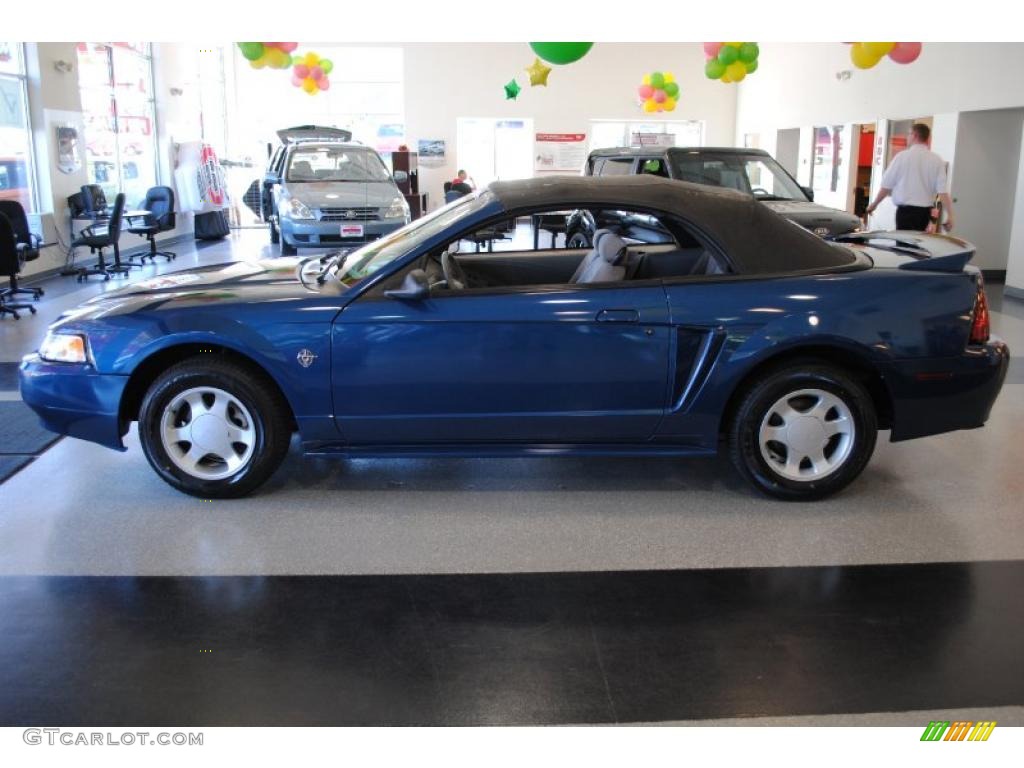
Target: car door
x=563 y=364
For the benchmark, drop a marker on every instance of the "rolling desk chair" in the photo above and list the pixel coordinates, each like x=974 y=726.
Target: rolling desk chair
x=100 y=236
x=10 y=264
x=26 y=241
x=94 y=201
x=160 y=204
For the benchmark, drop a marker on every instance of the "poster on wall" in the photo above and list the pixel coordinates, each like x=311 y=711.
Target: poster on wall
x=559 y=151
x=431 y=152
x=638 y=139
x=199 y=178
x=69 y=152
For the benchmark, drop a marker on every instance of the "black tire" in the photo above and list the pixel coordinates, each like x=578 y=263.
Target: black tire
x=275 y=234
x=754 y=409
x=287 y=249
x=270 y=424
x=578 y=238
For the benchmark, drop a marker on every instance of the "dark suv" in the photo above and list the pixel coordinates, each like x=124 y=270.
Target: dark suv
x=752 y=171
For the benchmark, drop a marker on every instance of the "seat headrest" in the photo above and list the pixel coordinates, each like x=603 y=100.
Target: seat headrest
x=610 y=246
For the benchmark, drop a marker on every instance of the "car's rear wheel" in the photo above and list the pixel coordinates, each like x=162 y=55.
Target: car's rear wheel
x=803 y=432
x=214 y=428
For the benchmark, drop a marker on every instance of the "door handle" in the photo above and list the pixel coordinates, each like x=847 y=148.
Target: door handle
x=618 y=316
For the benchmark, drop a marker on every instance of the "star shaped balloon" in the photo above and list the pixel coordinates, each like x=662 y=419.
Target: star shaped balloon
x=538 y=73
x=512 y=89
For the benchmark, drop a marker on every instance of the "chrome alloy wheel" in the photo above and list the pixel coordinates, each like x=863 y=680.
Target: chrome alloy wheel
x=807 y=435
x=208 y=433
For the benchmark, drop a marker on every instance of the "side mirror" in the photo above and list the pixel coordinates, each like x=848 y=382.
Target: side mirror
x=415 y=286
x=809 y=192
x=401 y=177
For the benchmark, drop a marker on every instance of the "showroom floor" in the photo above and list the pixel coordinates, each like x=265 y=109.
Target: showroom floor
x=555 y=590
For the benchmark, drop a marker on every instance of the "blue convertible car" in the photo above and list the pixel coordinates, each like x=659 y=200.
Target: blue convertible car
x=703 y=320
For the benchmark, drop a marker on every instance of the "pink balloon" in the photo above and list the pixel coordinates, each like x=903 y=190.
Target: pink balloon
x=711 y=49
x=287 y=47
x=905 y=53
x=316 y=73
x=301 y=71
x=645 y=91
x=659 y=96
x=324 y=83
x=296 y=81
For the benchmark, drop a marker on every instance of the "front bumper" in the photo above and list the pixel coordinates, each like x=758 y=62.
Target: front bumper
x=74 y=400
x=932 y=396
x=307 y=233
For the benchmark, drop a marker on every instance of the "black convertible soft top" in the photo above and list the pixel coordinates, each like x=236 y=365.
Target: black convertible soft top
x=755 y=238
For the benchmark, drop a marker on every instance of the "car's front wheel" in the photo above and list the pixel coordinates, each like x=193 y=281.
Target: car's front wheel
x=214 y=428
x=803 y=432
x=287 y=249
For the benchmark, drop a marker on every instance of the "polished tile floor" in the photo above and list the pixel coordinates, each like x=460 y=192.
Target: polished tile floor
x=81 y=510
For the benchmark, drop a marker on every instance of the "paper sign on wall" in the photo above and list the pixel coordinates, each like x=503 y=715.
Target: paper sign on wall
x=559 y=151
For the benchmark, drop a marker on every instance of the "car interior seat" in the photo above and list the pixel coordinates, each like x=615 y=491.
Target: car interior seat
x=301 y=169
x=606 y=262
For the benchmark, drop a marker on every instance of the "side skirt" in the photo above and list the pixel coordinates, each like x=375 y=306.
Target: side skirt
x=497 y=451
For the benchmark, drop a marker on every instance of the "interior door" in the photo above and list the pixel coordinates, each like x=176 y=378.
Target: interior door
x=563 y=365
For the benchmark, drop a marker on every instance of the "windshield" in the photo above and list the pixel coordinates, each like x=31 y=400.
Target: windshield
x=757 y=175
x=362 y=263
x=332 y=163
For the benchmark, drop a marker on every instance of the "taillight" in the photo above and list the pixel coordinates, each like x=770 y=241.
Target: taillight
x=979 y=319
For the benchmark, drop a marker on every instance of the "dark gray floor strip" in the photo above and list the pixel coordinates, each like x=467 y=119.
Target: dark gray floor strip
x=9 y=377
x=22 y=432
x=11 y=465
x=503 y=649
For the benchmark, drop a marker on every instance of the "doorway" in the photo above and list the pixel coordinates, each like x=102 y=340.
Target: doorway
x=787 y=149
x=495 y=149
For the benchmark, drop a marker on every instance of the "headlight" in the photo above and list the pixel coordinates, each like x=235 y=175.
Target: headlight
x=64 y=348
x=399 y=209
x=298 y=210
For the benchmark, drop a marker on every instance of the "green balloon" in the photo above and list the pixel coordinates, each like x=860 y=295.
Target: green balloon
x=748 y=52
x=751 y=66
x=727 y=54
x=672 y=89
x=714 y=69
x=251 y=51
x=326 y=65
x=297 y=59
x=657 y=80
x=561 y=53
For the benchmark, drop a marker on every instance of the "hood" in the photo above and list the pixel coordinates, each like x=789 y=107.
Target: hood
x=344 y=194
x=817 y=218
x=224 y=278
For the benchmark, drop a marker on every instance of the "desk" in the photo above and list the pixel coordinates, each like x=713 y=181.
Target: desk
x=555 y=223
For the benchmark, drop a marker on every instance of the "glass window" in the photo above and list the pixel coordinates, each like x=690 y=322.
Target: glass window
x=116 y=84
x=616 y=166
x=753 y=174
x=17 y=176
x=335 y=164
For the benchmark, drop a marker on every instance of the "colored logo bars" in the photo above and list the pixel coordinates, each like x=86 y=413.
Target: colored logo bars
x=959 y=730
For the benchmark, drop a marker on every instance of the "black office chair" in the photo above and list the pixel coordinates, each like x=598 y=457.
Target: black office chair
x=100 y=236
x=10 y=264
x=26 y=241
x=94 y=201
x=160 y=204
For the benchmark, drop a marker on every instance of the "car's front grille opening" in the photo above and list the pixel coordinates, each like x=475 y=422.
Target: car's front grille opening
x=349 y=214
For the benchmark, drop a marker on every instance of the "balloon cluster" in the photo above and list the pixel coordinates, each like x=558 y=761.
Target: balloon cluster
x=658 y=92
x=730 y=62
x=867 y=55
x=273 y=55
x=310 y=73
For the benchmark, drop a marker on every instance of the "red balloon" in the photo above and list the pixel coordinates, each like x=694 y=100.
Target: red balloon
x=301 y=70
x=324 y=83
x=711 y=49
x=660 y=96
x=316 y=73
x=905 y=53
x=287 y=47
x=645 y=91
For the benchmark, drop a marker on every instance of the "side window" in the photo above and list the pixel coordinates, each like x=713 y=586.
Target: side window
x=617 y=166
x=654 y=166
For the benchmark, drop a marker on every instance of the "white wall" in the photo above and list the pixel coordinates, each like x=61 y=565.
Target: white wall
x=444 y=82
x=1015 y=265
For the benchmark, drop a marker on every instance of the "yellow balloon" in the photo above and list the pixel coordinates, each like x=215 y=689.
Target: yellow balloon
x=861 y=57
x=311 y=60
x=259 y=63
x=309 y=85
x=650 y=105
x=669 y=104
x=669 y=77
x=736 y=71
x=878 y=49
x=725 y=77
x=647 y=80
x=735 y=45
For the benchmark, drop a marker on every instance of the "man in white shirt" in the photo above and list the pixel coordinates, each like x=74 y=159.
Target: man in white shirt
x=915 y=176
